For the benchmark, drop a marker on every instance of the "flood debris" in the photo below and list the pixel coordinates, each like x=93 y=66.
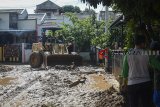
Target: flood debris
x=5 y=68
x=58 y=88
x=109 y=98
x=80 y=80
x=65 y=67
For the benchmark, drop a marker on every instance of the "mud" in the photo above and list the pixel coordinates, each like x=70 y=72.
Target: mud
x=99 y=82
x=5 y=81
x=51 y=88
x=4 y=68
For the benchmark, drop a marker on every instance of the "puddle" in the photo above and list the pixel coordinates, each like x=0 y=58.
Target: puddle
x=6 y=81
x=99 y=82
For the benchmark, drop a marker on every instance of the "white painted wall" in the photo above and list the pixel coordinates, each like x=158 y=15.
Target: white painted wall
x=39 y=16
x=27 y=24
x=4 y=21
x=59 y=19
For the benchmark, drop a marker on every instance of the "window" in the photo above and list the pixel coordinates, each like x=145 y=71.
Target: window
x=13 y=19
x=49 y=15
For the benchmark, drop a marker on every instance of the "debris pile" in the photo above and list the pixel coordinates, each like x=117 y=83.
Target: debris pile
x=4 y=68
x=109 y=98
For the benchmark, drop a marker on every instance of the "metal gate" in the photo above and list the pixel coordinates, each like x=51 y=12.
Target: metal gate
x=10 y=53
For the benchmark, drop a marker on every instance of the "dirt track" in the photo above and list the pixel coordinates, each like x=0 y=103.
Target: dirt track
x=25 y=87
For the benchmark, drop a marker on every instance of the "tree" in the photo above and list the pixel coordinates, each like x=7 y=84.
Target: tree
x=70 y=8
x=77 y=9
x=83 y=31
x=141 y=12
x=91 y=11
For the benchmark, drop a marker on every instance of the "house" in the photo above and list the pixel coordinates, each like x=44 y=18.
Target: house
x=52 y=19
x=111 y=15
x=15 y=27
x=48 y=7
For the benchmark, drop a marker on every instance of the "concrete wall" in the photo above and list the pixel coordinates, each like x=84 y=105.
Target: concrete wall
x=85 y=56
x=4 y=21
x=27 y=24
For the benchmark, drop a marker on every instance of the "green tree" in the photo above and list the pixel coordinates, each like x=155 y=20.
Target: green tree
x=140 y=12
x=77 y=9
x=90 y=11
x=70 y=8
x=83 y=31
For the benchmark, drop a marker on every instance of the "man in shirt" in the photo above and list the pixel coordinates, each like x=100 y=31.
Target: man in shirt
x=136 y=76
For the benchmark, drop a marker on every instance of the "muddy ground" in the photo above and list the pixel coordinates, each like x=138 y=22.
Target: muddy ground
x=85 y=86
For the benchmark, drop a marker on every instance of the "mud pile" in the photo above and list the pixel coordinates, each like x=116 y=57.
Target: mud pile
x=109 y=98
x=5 y=68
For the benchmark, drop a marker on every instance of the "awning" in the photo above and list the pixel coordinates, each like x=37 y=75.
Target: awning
x=17 y=32
x=117 y=22
x=51 y=28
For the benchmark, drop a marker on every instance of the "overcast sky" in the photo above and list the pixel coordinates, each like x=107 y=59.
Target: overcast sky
x=30 y=5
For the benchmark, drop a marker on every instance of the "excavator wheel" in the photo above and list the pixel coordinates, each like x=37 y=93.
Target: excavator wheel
x=36 y=59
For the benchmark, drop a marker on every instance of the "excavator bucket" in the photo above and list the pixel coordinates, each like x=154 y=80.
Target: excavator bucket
x=59 y=56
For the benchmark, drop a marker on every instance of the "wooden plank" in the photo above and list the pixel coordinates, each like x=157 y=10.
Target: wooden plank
x=81 y=80
x=87 y=73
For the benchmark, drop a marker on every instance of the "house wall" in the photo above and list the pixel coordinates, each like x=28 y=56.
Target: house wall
x=27 y=24
x=59 y=19
x=23 y=15
x=4 y=21
x=39 y=16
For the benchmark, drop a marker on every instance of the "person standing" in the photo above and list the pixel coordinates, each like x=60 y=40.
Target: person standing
x=135 y=74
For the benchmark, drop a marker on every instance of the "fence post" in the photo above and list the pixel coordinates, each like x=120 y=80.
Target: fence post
x=1 y=54
x=23 y=53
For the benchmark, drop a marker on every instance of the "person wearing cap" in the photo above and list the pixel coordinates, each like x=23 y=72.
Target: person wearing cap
x=135 y=74
x=155 y=64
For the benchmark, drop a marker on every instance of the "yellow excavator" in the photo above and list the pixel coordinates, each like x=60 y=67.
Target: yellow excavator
x=53 y=53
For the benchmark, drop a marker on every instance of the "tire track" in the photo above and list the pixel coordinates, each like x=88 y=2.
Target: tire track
x=10 y=95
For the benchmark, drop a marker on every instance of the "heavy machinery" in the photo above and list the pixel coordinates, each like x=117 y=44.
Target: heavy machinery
x=56 y=53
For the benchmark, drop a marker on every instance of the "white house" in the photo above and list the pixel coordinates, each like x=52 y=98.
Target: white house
x=111 y=15
x=52 y=19
x=15 y=27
